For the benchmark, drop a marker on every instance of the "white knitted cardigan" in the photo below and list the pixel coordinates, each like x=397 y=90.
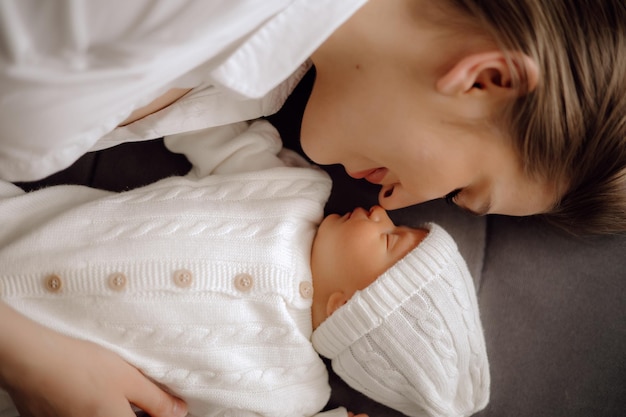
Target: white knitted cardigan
x=203 y=282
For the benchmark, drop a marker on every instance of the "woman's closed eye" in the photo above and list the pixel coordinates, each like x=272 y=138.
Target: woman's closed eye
x=481 y=210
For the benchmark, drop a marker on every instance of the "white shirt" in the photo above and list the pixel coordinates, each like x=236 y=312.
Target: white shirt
x=71 y=71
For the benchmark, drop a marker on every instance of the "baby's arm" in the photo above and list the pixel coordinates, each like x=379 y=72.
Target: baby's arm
x=233 y=148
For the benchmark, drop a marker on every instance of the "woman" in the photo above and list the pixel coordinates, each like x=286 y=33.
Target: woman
x=427 y=100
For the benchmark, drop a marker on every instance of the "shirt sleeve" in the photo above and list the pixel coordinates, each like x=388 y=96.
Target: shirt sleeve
x=71 y=71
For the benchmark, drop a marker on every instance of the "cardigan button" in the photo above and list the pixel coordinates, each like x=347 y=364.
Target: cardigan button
x=244 y=282
x=306 y=289
x=183 y=278
x=53 y=283
x=117 y=281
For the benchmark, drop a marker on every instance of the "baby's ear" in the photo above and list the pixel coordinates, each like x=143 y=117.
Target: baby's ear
x=490 y=72
x=336 y=300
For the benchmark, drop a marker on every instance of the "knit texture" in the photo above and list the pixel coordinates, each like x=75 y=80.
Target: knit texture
x=198 y=282
x=413 y=340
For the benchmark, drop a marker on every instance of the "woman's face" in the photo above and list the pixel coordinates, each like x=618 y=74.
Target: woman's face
x=374 y=109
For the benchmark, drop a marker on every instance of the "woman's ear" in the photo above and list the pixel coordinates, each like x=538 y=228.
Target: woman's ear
x=489 y=72
x=336 y=300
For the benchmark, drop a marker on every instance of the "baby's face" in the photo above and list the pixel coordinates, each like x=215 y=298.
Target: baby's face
x=352 y=250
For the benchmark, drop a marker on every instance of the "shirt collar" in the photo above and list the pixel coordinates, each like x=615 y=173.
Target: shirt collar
x=253 y=70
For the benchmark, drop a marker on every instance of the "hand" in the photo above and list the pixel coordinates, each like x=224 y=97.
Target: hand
x=48 y=374
x=351 y=414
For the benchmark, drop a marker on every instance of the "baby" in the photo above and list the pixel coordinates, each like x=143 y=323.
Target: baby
x=221 y=286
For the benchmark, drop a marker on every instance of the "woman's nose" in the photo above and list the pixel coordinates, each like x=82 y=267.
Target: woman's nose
x=377 y=214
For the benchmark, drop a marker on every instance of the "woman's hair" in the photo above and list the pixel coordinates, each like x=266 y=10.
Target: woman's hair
x=572 y=127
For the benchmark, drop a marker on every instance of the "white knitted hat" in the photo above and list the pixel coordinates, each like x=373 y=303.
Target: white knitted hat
x=413 y=340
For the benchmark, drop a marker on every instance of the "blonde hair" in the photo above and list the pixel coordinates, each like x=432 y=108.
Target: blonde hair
x=572 y=127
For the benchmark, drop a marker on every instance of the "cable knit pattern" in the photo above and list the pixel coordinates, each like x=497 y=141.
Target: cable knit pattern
x=232 y=189
x=196 y=281
x=413 y=340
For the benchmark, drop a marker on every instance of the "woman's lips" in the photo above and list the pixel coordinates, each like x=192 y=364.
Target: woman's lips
x=375 y=175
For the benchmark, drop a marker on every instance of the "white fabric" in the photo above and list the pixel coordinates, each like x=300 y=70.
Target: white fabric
x=71 y=71
x=237 y=338
x=413 y=339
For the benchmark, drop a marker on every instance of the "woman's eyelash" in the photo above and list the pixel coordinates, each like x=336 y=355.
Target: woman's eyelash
x=452 y=195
